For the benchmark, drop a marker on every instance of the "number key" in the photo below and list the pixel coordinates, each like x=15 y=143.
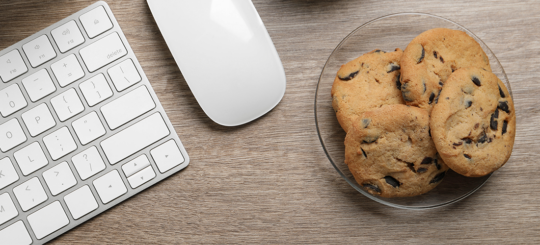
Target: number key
x=11 y=100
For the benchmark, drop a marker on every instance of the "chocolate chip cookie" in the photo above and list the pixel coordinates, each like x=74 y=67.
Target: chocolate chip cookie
x=473 y=124
x=367 y=82
x=390 y=153
x=430 y=58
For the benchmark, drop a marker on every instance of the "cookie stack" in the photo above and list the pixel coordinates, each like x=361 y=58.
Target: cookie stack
x=411 y=115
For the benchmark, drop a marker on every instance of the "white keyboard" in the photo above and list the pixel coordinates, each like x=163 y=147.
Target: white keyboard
x=81 y=128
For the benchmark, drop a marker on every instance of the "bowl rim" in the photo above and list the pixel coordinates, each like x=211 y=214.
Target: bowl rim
x=354 y=185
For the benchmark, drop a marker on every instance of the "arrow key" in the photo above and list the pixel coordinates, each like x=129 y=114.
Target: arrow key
x=59 y=178
x=135 y=165
x=110 y=186
x=141 y=177
x=30 y=194
x=167 y=156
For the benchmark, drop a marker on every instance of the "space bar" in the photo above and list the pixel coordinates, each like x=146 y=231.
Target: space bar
x=134 y=138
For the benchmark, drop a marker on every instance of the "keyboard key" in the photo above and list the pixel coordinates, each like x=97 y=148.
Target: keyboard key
x=67 y=104
x=141 y=177
x=15 y=234
x=96 y=21
x=7 y=208
x=11 y=66
x=167 y=156
x=30 y=194
x=39 y=51
x=134 y=138
x=48 y=219
x=59 y=178
x=88 y=163
x=8 y=175
x=11 y=135
x=38 y=120
x=88 y=128
x=67 y=70
x=95 y=89
x=110 y=186
x=135 y=165
x=67 y=36
x=81 y=202
x=131 y=106
x=30 y=158
x=103 y=52
x=39 y=85
x=11 y=100
x=59 y=143
x=124 y=75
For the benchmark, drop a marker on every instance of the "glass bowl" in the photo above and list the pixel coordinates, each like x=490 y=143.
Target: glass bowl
x=387 y=33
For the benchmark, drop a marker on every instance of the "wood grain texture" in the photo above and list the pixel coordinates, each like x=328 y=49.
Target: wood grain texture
x=269 y=181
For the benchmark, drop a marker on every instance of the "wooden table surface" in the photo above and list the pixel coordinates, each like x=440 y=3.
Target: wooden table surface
x=269 y=181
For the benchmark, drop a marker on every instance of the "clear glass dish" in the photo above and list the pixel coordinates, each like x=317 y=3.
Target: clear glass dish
x=387 y=33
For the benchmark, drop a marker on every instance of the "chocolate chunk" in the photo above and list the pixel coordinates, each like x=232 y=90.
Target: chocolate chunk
x=398 y=84
x=501 y=92
x=391 y=181
x=393 y=67
x=351 y=76
x=422 y=170
x=424 y=87
x=505 y=125
x=437 y=164
x=441 y=83
x=431 y=97
x=422 y=56
x=458 y=144
x=411 y=167
x=365 y=122
x=437 y=98
x=372 y=187
x=429 y=132
x=467 y=140
x=437 y=178
x=370 y=139
x=467 y=156
x=378 y=51
x=476 y=125
x=441 y=59
x=468 y=104
x=363 y=153
x=503 y=105
x=427 y=160
x=476 y=81
x=493 y=123
x=435 y=54
x=406 y=93
x=482 y=138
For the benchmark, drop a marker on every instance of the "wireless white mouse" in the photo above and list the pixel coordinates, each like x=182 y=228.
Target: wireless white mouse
x=225 y=54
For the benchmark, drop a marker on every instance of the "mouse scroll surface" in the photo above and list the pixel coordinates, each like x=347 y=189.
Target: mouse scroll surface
x=225 y=54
